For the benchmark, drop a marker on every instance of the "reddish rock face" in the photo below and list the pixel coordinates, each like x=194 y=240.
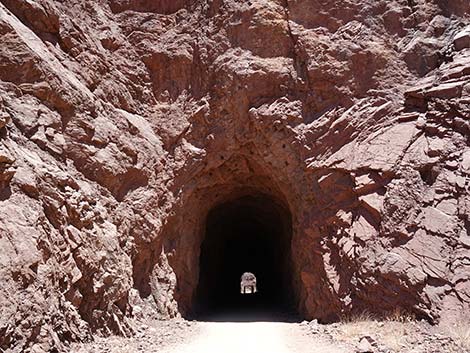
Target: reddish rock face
x=124 y=124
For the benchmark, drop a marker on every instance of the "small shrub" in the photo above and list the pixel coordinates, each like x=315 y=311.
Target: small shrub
x=393 y=331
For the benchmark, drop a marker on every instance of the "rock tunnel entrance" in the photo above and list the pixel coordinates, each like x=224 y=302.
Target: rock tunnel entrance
x=250 y=233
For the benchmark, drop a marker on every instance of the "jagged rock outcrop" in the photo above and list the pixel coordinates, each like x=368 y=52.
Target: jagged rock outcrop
x=123 y=122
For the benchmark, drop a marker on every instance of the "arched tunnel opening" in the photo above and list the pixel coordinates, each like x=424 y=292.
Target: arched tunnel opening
x=250 y=233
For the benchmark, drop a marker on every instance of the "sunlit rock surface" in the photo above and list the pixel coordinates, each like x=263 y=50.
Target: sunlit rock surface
x=123 y=122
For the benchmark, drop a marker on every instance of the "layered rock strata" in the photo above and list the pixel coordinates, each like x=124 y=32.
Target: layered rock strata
x=124 y=122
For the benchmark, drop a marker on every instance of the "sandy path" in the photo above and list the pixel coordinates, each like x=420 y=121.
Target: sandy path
x=252 y=337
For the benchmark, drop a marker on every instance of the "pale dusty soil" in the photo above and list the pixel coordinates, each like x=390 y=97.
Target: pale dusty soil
x=149 y=337
x=181 y=336
x=253 y=337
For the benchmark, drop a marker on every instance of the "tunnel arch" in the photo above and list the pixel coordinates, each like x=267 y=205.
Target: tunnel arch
x=169 y=269
x=324 y=254
x=247 y=231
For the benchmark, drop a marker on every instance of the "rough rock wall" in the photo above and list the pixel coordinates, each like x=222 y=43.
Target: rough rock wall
x=123 y=122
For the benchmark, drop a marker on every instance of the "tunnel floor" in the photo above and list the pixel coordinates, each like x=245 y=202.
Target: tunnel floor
x=247 y=234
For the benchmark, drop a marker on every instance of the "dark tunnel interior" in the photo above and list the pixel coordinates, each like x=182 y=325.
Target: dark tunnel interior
x=247 y=234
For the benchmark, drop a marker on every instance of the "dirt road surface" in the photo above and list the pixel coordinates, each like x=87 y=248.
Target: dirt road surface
x=252 y=337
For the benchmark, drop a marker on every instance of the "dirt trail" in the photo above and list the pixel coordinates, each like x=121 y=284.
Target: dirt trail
x=252 y=337
x=182 y=336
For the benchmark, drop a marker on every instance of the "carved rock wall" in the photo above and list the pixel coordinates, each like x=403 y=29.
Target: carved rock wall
x=122 y=123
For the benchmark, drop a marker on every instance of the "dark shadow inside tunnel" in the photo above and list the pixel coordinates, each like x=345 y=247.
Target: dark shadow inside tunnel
x=250 y=233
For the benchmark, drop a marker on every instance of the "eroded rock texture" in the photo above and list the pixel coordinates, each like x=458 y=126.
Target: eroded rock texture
x=123 y=122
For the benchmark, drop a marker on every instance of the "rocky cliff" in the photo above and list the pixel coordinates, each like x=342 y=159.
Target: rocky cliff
x=123 y=122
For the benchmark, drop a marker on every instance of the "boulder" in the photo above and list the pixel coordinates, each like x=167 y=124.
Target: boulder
x=462 y=39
